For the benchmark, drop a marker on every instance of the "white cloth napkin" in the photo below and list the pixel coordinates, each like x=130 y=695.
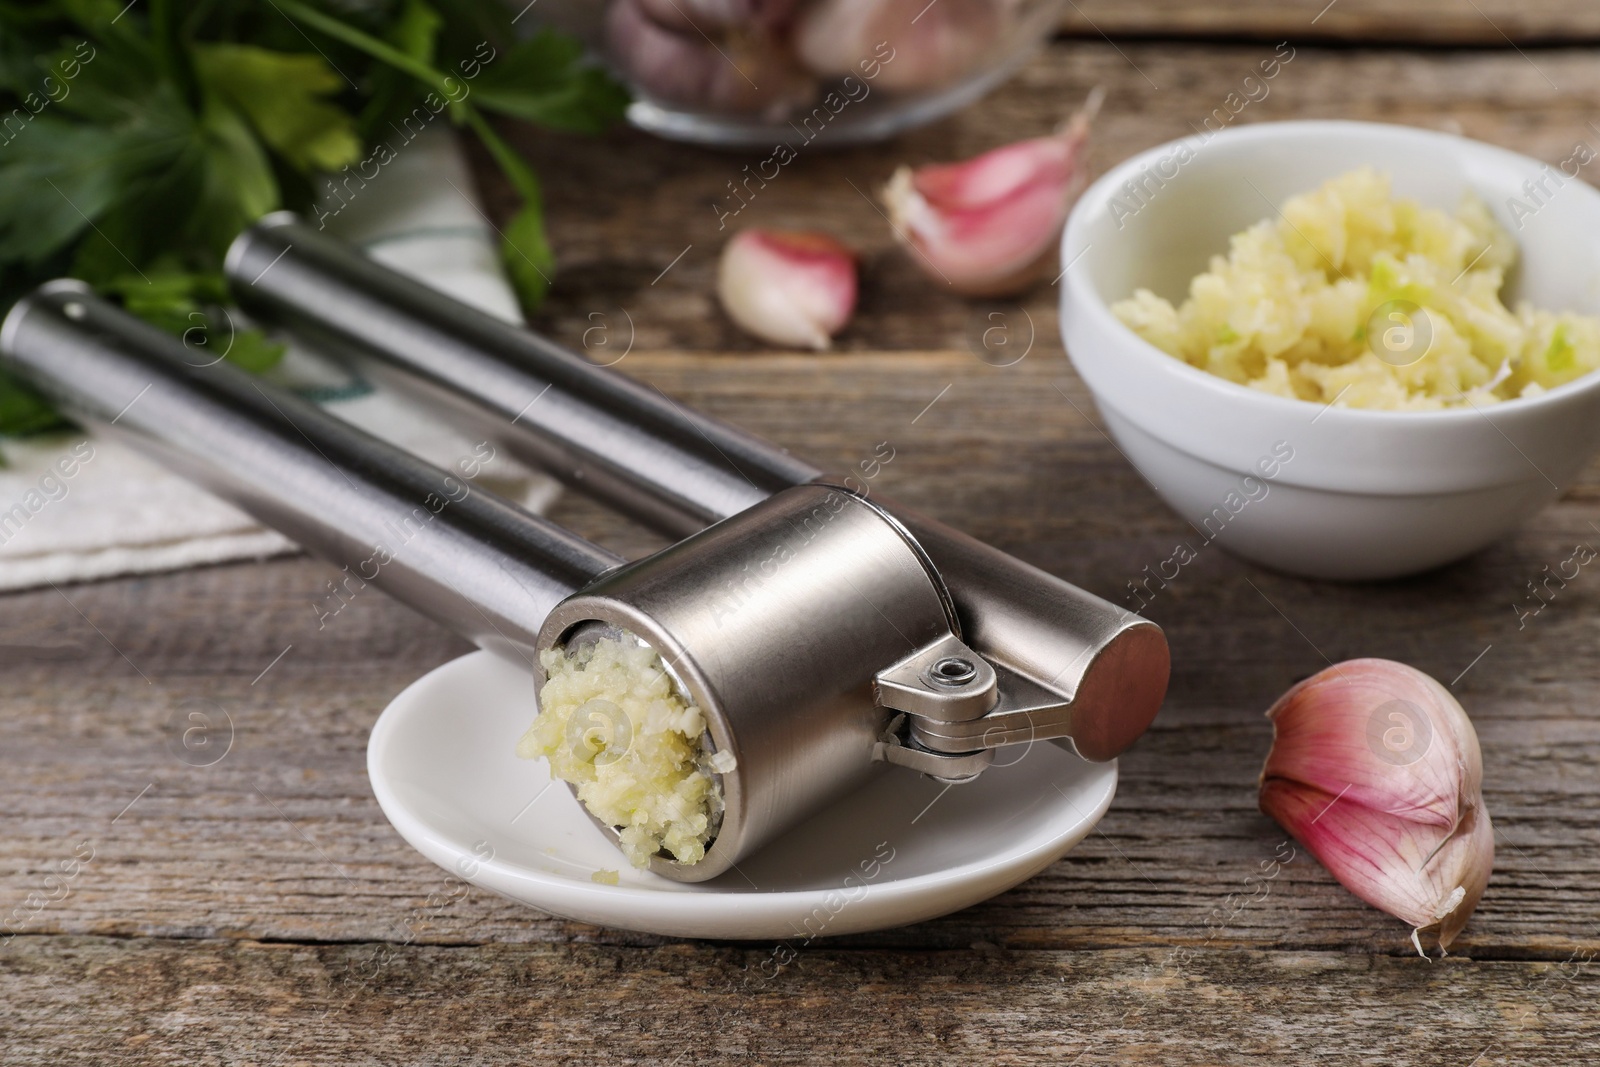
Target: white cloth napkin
x=74 y=510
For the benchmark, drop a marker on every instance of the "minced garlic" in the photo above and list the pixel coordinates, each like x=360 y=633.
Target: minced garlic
x=1353 y=297
x=612 y=723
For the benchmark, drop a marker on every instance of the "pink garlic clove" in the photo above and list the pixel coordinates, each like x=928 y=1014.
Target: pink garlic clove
x=929 y=44
x=744 y=73
x=794 y=289
x=1376 y=769
x=989 y=225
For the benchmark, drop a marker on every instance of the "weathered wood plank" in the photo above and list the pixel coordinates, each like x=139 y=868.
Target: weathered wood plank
x=84 y=1000
x=1489 y=23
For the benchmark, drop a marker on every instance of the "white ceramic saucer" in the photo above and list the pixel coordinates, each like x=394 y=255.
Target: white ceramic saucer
x=901 y=850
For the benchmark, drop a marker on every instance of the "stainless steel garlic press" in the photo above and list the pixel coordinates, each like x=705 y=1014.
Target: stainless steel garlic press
x=824 y=632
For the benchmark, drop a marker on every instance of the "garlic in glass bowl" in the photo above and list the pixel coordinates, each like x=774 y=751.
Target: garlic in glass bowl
x=783 y=73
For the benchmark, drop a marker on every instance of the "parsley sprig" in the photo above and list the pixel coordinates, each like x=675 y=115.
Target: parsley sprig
x=136 y=140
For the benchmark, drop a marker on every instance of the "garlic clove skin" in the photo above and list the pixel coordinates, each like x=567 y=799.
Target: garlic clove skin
x=792 y=289
x=1337 y=731
x=931 y=44
x=1376 y=769
x=747 y=73
x=1385 y=860
x=988 y=226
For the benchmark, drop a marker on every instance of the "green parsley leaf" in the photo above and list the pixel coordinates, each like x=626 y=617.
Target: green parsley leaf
x=194 y=307
x=237 y=186
x=285 y=97
x=526 y=253
x=23 y=411
x=416 y=31
x=53 y=182
x=524 y=248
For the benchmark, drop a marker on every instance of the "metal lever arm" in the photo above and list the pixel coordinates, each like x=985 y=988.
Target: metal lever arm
x=602 y=433
x=478 y=564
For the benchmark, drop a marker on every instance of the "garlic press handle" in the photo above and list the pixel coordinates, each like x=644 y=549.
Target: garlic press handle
x=478 y=564
x=607 y=436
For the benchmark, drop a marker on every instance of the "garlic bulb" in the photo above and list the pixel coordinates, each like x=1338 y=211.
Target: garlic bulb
x=989 y=225
x=1375 y=768
x=743 y=73
x=932 y=44
x=795 y=289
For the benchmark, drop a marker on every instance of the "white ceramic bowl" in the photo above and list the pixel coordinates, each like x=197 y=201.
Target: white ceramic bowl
x=1365 y=494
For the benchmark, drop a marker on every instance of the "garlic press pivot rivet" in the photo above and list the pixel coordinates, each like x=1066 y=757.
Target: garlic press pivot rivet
x=952 y=671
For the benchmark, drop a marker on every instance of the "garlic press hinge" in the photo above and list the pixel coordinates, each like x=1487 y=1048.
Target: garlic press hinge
x=944 y=681
x=1024 y=711
x=957 y=707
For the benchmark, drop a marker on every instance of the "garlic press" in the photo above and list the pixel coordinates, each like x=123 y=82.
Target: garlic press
x=824 y=632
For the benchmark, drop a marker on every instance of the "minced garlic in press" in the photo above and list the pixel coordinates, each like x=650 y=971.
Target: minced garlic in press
x=612 y=723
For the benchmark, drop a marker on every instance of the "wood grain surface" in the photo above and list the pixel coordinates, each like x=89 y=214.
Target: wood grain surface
x=1487 y=23
x=260 y=910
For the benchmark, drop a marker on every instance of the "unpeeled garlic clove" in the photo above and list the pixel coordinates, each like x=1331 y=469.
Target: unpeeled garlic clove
x=989 y=225
x=930 y=44
x=795 y=289
x=746 y=73
x=1375 y=768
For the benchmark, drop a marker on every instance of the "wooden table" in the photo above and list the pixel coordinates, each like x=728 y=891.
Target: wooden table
x=262 y=911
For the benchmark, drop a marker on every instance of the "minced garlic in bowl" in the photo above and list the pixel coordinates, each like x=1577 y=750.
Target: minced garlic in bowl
x=1352 y=297
x=613 y=724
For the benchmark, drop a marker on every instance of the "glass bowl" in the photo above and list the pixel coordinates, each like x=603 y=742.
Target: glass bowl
x=769 y=73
